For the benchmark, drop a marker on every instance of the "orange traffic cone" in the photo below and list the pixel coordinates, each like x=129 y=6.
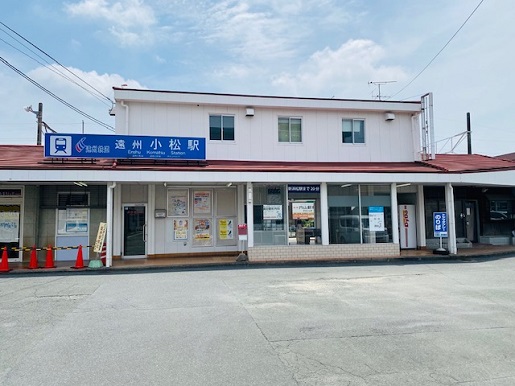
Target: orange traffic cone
x=4 y=265
x=33 y=264
x=49 y=263
x=79 y=263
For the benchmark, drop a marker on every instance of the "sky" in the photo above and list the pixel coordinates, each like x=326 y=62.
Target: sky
x=303 y=48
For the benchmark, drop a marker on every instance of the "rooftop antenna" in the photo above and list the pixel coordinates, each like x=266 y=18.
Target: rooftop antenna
x=378 y=84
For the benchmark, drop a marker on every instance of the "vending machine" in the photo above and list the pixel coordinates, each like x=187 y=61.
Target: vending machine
x=407 y=227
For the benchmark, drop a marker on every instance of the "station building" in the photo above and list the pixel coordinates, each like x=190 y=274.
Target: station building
x=282 y=178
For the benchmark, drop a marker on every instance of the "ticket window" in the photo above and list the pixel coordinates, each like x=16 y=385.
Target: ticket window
x=72 y=225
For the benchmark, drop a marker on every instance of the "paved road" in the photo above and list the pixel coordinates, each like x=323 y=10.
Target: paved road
x=413 y=324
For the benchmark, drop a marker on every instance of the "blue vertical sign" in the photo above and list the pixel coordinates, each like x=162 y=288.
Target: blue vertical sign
x=440 y=224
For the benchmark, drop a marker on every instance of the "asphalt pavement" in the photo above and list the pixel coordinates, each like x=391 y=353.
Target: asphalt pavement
x=402 y=323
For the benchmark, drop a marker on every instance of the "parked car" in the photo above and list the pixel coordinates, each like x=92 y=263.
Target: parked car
x=349 y=231
x=495 y=215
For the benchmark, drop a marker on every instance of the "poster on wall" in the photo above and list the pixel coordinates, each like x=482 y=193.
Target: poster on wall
x=225 y=229
x=376 y=218
x=272 y=212
x=303 y=210
x=180 y=229
x=73 y=220
x=178 y=203
x=202 y=232
x=202 y=202
x=9 y=225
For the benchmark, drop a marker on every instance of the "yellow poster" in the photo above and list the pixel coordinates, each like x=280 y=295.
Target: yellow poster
x=225 y=229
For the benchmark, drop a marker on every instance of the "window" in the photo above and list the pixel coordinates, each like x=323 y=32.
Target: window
x=221 y=127
x=290 y=129
x=359 y=214
x=353 y=131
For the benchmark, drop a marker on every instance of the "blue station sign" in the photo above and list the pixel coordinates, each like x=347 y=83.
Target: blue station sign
x=124 y=147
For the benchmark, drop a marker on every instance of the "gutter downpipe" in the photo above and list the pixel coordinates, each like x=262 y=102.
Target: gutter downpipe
x=122 y=103
x=109 y=232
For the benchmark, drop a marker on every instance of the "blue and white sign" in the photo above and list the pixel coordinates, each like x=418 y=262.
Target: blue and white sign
x=440 y=224
x=124 y=146
x=376 y=218
x=304 y=188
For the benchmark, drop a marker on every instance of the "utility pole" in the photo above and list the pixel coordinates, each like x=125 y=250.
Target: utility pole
x=39 y=115
x=469 y=135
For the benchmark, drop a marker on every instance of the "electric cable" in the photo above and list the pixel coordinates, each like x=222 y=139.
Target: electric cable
x=50 y=67
x=56 y=61
x=105 y=125
x=439 y=52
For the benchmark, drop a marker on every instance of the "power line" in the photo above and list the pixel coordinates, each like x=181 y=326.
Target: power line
x=439 y=52
x=108 y=127
x=56 y=61
x=54 y=70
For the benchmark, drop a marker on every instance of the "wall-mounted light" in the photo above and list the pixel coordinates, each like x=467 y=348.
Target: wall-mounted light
x=249 y=112
x=229 y=184
x=164 y=183
x=346 y=185
x=402 y=185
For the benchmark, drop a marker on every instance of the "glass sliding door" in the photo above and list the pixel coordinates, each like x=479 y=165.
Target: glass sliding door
x=134 y=231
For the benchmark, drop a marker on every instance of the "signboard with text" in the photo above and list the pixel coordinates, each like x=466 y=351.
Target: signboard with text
x=124 y=146
x=376 y=218
x=440 y=224
x=304 y=188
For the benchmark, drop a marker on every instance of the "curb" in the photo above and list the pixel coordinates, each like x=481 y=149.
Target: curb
x=428 y=259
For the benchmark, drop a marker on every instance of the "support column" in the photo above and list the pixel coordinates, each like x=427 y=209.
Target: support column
x=241 y=203
x=109 y=219
x=151 y=220
x=250 y=215
x=421 y=218
x=117 y=221
x=324 y=213
x=395 y=213
x=449 y=204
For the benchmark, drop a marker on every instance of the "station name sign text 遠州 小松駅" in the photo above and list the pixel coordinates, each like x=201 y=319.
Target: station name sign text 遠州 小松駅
x=124 y=146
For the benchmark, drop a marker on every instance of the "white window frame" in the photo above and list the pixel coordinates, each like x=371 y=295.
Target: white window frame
x=290 y=118
x=353 y=120
x=222 y=116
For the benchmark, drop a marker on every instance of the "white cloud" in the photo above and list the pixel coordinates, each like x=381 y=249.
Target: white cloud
x=249 y=35
x=129 y=13
x=343 y=72
x=159 y=59
x=132 y=21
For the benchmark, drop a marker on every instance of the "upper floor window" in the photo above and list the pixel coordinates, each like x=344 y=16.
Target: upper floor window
x=353 y=131
x=290 y=129
x=221 y=127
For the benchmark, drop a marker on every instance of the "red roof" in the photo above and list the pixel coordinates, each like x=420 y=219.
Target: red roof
x=509 y=156
x=469 y=163
x=29 y=157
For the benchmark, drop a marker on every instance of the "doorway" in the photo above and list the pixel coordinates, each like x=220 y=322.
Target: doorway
x=134 y=231
x=466 y=220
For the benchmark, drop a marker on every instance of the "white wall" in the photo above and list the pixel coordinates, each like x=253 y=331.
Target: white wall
x=256 y=138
